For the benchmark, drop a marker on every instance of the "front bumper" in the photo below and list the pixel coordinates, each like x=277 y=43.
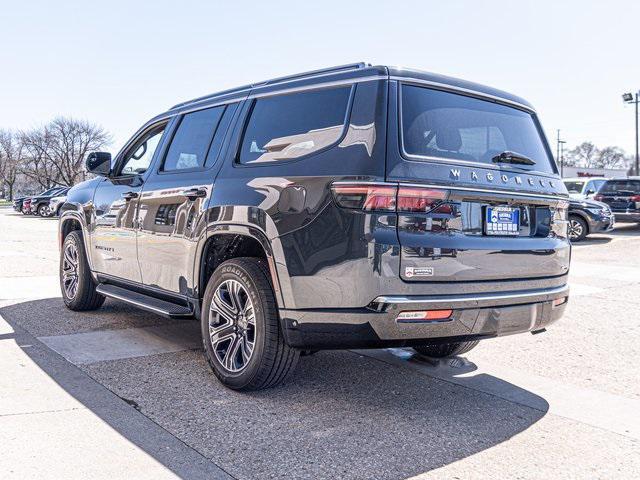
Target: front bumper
x=602 y=224
x=475 y=316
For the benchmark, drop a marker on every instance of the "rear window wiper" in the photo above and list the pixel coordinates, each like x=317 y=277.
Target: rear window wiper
x=512 y=157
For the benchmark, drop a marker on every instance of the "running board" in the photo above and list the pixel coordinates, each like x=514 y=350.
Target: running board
x=146 y=302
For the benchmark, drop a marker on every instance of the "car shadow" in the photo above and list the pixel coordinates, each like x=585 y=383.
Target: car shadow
x=341 y=414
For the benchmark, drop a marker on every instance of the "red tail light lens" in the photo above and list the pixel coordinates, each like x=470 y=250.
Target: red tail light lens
x=414 y=199
x=388 y=198
x=598 y=198
x=366 y=197
x=635 y=198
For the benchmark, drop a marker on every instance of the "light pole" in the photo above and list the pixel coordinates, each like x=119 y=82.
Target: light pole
x=631 y=98
x=559 y=154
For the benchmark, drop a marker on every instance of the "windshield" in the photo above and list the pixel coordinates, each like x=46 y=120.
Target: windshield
x=613 y=186
x=574 y=187
x=457 y=127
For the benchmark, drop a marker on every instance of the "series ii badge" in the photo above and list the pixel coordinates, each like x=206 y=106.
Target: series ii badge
x=418 y=272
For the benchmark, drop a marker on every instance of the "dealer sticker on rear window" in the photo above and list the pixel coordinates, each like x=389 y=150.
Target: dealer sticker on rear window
x=418 y=272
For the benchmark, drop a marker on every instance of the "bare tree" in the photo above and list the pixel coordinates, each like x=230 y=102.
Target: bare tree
x=583 y=155
x=611 y=157
x=56 y=151
x=11 y=156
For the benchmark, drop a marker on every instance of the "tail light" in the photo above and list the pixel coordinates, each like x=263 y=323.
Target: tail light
x=387 y=197
x=366 y=197
x=598 y=198
x=635 y=198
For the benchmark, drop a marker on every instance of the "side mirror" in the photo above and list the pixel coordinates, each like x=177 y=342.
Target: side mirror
x=99 y=163
x=590 y=191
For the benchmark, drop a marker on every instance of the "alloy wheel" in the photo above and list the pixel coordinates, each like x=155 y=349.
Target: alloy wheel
x=232 y=326
x=575 y=229
x=70 y=270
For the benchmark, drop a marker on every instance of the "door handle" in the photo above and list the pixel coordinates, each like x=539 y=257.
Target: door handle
x=129 y=195
x=194 y=193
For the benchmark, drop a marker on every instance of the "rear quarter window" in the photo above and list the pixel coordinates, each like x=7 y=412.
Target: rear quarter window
x=290 y=126
x=458 y=128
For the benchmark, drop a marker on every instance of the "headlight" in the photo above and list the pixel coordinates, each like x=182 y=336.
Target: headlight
x=597 y=211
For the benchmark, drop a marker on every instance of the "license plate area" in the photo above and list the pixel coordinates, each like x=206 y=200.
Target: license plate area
x=502 y=221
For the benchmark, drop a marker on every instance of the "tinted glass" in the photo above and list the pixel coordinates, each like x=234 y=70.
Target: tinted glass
x=621 y=186
x=574 y=187
x=191 y=141
x=457 y=127
x=139 y=158
x=284 y=127
x=218 y=138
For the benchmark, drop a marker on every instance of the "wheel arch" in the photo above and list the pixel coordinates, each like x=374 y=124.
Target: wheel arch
x=223 y=242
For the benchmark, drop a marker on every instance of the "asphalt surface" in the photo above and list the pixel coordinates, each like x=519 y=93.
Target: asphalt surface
x=563 y=404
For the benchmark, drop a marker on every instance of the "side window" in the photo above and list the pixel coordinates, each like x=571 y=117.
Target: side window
x=285 y=127
x=138 y=159
x=192 y=139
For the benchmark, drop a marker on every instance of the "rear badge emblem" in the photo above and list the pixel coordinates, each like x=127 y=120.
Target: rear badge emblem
x=419 y=272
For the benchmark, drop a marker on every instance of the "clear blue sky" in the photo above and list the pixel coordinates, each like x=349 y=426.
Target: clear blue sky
x=118 y=63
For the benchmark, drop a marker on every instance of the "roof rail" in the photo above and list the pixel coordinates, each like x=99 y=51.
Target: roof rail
x=312 y=73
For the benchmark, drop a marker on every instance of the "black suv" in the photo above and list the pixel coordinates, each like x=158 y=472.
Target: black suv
x=353 y=207
x=623 y=196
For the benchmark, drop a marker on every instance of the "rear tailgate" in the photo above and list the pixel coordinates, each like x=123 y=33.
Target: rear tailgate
x=454 y=241
x=479 y=195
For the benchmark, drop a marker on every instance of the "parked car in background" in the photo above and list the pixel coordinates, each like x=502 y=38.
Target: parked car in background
x=26 y=206
x=587 y=217
x=40 y=203
x=623 y=197
x=17 y=203
x=55 y=203
x=581 y=187
x=353 y=207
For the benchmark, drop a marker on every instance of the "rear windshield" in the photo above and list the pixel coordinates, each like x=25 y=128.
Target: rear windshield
x=457 y=127
x=620 y=186
x=574 y=187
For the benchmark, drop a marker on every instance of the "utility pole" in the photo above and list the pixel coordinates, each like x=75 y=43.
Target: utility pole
x=560 y=152
x=630 y=98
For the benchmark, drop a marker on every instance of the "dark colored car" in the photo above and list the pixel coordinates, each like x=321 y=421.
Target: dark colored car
x=352 y=207
x=17 y=203
x=623 y=197
x=40 y=203
x=587 y=217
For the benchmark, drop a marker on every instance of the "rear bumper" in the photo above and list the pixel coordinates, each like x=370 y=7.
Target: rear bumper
x=475 y=316
x=625 y=217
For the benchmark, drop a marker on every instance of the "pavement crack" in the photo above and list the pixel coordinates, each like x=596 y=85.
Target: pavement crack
x=42 y=411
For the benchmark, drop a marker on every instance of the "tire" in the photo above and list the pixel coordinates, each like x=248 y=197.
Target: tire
x=578 y=228
x=244 y=310
x=446 y=349
x=43 y=211
x=74 y=266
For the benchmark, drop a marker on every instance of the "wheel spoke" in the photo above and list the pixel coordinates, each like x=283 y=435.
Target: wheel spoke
x=229 y=360
x=234 y=289
x=221 y=307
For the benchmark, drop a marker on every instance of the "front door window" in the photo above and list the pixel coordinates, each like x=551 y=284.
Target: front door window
x=139 y=158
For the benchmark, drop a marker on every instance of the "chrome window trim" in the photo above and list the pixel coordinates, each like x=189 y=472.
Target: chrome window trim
x=454 y=88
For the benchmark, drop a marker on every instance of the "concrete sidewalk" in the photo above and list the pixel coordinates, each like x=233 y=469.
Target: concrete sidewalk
x=56 y=422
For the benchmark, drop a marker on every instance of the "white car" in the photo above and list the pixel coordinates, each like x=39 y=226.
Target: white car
x=582 y=188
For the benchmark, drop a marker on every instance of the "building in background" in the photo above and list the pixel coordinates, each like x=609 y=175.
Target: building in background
x=572 y=172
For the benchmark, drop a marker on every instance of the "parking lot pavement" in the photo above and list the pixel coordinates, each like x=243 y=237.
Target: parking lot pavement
x=558 y=404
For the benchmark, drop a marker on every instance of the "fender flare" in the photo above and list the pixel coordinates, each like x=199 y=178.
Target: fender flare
x=279 y=280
